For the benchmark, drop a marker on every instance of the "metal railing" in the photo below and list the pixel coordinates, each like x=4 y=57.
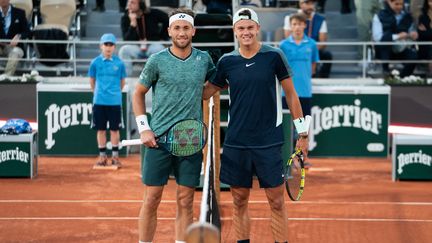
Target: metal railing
x=32 y=59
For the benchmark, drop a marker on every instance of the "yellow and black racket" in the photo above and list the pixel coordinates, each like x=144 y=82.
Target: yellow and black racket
x=294 y=175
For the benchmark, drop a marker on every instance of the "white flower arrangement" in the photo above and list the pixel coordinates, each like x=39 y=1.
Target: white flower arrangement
x=394 y=78
x=32 y=77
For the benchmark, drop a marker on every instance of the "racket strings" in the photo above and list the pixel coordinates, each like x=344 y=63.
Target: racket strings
x=188 y=137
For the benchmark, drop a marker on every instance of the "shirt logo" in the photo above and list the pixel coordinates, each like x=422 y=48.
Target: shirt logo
x=249 y=64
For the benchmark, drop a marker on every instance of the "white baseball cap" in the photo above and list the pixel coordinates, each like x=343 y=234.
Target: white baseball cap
x=245 y=13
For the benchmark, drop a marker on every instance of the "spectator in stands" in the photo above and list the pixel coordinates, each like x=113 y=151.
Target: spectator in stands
x=393 y=23
x=140 y=23
x=316 y=28
x=107 y=77
x=302 y=54
x=13 y=27
x=365 y=10
x=425 y=32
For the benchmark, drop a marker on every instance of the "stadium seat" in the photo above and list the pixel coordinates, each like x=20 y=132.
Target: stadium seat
x=58 y=12
x=26 y=5
x=57 y=17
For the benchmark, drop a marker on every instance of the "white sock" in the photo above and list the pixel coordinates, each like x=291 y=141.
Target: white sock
x=144 y=241
x=180 y=241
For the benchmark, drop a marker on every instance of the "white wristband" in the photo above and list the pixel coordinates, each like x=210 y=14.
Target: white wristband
x=302 y=124
x=142 y=123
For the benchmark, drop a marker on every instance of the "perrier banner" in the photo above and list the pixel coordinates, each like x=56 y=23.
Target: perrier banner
x=412 y=157
x=349 y=121
x=64 y=119
x=18 y=155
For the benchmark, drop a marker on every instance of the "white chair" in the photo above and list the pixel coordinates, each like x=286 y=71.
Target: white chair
x=57 y=17
x=26 y=5
x=58 y=13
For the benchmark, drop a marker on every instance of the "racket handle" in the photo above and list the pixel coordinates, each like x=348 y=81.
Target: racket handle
x=131 y=142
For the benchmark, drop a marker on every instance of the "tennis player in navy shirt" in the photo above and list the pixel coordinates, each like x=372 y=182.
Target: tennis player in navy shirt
x=254 y=75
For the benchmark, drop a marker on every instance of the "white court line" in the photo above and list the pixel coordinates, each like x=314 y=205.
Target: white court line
x=225 y=219
x=221 y=202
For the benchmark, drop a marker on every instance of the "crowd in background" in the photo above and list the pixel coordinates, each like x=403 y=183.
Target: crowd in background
x=398 y=21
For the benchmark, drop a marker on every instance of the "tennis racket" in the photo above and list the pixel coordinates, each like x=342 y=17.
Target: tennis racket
x=184 y=138
x=294 y=175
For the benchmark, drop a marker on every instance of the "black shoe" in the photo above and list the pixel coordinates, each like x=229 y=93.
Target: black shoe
x=116 y=162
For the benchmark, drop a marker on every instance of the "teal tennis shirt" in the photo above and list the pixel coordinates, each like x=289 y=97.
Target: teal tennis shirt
x=177 y=86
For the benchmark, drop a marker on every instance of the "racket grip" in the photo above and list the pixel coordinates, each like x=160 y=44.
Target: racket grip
x=131 y=142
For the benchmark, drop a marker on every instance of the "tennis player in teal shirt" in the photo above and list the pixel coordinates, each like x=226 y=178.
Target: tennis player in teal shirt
x=176 y=76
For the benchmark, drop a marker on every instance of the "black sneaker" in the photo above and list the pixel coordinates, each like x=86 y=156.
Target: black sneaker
x=103 y=161
x=116 y=162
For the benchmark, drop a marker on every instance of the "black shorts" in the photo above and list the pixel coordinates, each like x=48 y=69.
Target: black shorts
x=107 y=117
x=239 y=165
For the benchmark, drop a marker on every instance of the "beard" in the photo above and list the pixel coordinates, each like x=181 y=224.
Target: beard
x=308 y=12
x=182 y=44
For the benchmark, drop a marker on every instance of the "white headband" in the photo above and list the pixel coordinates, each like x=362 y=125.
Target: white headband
x=181 y=16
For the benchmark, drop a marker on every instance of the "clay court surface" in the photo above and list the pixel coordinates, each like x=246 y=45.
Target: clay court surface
x=345 y=200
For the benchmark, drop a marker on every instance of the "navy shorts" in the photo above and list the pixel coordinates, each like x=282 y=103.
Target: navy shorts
x=107 y=117
x=239 y=165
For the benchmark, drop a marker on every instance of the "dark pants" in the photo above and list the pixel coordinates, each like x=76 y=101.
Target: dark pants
x=386 y=53
x=324 y=68
x=122 y=4
x=100 y=3
x=345 y=6
x=425 y=52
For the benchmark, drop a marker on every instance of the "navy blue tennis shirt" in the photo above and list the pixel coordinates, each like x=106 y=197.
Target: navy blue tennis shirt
x=255 y=112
